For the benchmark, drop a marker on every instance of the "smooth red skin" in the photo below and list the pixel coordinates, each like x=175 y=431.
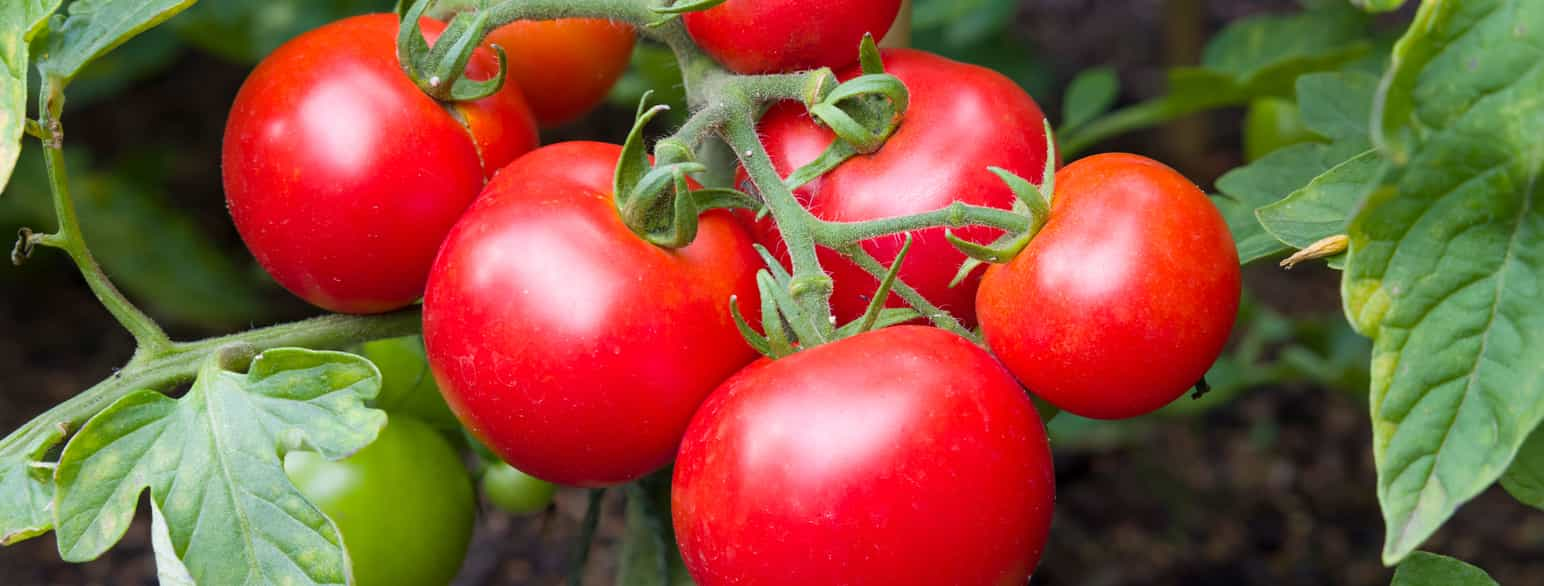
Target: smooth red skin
x=962 y=119
x=342 y=177
x=1126 y=297
x=771 y=36
x=565 y=67
x=898 y=457
x=571 y=347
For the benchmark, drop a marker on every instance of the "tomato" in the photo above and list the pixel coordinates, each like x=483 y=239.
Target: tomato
x=564 y=67
x=770 y=36
x=514 y=491
x=574 y=349
x=901 y=456
x=404 y=504
x=1272 y=124
x=962 y=119
x=407 y=386
x=1124 y=299
x=342 y=177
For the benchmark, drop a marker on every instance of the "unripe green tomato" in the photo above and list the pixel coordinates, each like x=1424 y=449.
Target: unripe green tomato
x=407 y=385
x=1271 y=124
x=404 y=504
x=516 y=492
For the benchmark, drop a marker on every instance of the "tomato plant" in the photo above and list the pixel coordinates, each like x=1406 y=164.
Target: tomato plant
x=1124 y=299
x=936 y=158
x=574 y=349
x=1272 y=124
x=564 y=67
x=404 y=504
x=343 y=178
x=825 y=468
x=769 y=36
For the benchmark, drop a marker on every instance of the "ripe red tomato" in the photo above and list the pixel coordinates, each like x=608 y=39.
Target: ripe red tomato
x=574 y=349
x=962 y=119
x=564 y=67
x=342 y=177
x=770 y=36
x=901 y=456
x=1125 y=298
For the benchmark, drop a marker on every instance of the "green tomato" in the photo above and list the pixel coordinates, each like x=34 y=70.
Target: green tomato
x=404 y=504
x=1271 y=124
x=407 y=385
x=514 y=491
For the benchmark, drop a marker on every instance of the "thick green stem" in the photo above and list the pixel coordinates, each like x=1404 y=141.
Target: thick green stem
x=956 y=215
x=810 y=286
x=150 y=337
x=179 y=363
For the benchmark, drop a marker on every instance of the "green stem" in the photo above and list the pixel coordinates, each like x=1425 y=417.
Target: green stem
x=935 y=314
x=150 y=337
x=180 y=362
x=810 y=286
x=956 y=215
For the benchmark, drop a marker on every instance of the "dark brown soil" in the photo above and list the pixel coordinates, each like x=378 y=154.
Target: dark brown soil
x=1275 y=488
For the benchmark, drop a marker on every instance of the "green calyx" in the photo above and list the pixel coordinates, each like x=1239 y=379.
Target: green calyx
x=685 y=7
x=863 y=112
x=655 y=199
x=1030 y=201
x=440 y=71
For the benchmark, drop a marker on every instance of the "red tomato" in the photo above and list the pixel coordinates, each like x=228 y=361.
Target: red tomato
x=571 y=347
x=901 y=456
x=342 y=177
x=962 y=119
x=564 y=67
x=770 y=36
x=1125 y=298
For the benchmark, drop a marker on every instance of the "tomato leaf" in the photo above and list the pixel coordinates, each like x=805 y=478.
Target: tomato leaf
x=20 y=21
x=1379 y=5
x=1090 y=94
x=1524 y=479
x=1338 y=105
x=1321 y=208
x=27 y=490
x=1446 y=258
x=649 y=553
x=94 y=27
x=1429 y=569
x=1268 y=180
x=213 y=464
x=1254 y=50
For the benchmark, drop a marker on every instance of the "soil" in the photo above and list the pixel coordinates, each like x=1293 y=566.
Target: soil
x=1275 y=488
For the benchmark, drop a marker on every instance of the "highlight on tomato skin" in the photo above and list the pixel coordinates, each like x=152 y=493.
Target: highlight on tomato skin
x=342 y=177
x=902 y=456
x=572 y=348
x=1124 y=299
x=776 y=36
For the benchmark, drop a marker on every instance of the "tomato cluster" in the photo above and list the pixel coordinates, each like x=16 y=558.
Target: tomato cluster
x=581 y=353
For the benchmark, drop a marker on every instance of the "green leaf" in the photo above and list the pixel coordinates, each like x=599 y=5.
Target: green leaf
x=1429 y=569
x=649 y=554
x=1090 y=94
x=1252 y=48
x=1267 y=181
x=27 y=490
x=1524 y=479
x=1338 y=105
x=1321 y=208
x=244 y=31
x=94 y=27
x=213 y=464
x=1446 y=260
x=20 y=21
